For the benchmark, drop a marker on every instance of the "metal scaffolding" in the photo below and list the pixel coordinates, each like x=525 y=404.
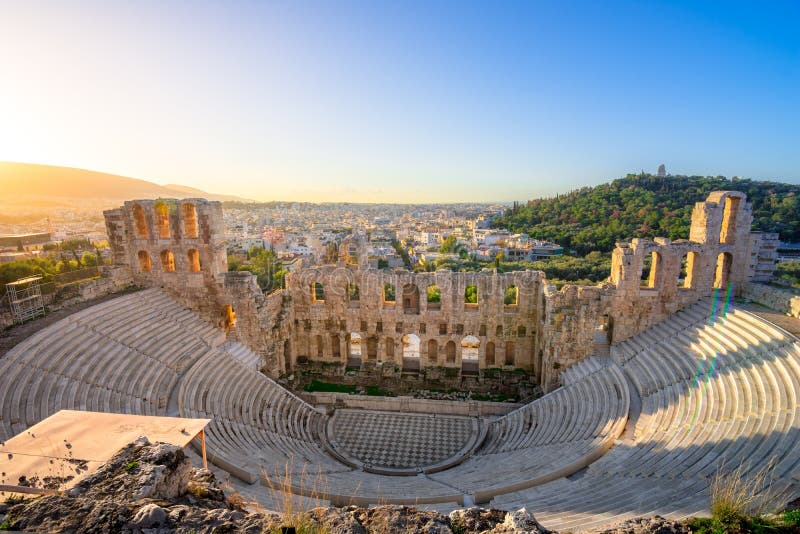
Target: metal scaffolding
x=25 y=298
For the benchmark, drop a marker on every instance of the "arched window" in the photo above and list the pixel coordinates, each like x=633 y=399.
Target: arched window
x=450 y=352
x=355 y=345
x=499 y=330
x=352 y=292
x=470 y=348
x=193 y=258
x=372 y=348
x=410 y=299
x=144 y=261
x=162 y=219
x=317 y=292
x=388 y=294
x=722 y=275
x=228 y=317
x=389 y=349
x=510 y=353
x=433 y=350
x=511 y=296
x=167 y=261
x=139 y=222
x=320 y=347
x=189 y=214
x=471 y=296
x=434 y=297
x=521 y=331
x=490 y=353
x=336 y=347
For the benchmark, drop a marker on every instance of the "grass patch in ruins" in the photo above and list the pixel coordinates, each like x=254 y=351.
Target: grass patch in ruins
x=741 y=502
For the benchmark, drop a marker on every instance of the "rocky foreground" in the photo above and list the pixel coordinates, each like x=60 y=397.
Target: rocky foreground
x=153 y=488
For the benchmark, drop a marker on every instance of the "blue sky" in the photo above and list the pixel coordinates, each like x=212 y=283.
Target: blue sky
x=403 y=101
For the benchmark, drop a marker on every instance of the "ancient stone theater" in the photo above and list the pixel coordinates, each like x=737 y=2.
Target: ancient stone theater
x=648 y=384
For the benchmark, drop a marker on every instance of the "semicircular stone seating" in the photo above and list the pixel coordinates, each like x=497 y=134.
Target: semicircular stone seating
x=641 y=432
x=718 y=391
x=124 y=355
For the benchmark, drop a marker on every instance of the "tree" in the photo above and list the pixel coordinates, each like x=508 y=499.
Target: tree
x=449 y=245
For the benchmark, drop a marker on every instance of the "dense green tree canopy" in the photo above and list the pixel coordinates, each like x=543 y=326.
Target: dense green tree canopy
x=594 y=218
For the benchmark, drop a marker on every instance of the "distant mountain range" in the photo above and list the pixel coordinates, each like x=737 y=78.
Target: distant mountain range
x=43 y=184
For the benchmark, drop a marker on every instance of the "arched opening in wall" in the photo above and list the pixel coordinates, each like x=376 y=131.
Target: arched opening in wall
x=372 y=348
x=388 y=294
x=411 y=355
x=353 y=295
x=655 y=270
x=490 y=354
x=228 y=317
x=144 y=261
x=317 y=292
x=354 y=350
x=193 y=258
x=389 y=350
x=692 y=270
x=682 y=271
x=722 y=275
x=471 y=297
x=162 y=219
x=433 y=351
x=336 y=347
x=320 y=347
x=498 y=332
x=167 y=261
x=434 y=297
x=450 y=352
x=521 y=331
x=139 y=222
x=602 y=335
x=189 y=214
x=287 y=355
x=727 y=231
x=470 y=355
x=511 y=296
x=510 y=353
x=410 y=299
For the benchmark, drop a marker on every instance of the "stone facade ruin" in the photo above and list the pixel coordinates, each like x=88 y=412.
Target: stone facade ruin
x=352 y=315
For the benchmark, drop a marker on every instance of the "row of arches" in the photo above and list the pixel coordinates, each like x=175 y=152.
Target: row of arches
x=162 y=226
x=410 y=295
x=168 y=261
x=689 y=270
x=366 y=348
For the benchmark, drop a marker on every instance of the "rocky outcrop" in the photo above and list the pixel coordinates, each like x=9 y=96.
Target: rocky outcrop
x=153 y=488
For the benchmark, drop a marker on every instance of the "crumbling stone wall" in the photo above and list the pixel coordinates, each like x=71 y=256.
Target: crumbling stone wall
x=721 y=255
x=452 y=333
x=342 y=315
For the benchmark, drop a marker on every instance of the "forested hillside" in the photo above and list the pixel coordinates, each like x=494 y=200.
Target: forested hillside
x=594 y=218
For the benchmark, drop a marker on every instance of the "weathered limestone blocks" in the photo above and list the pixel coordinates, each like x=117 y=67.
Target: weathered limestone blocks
x=398 y=321
x=783 y=300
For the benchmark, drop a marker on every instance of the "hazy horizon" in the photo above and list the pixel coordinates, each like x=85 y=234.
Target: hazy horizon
x=401 y=103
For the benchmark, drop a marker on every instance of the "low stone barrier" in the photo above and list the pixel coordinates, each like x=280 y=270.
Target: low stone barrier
x=410 y=404
x=783 y=300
